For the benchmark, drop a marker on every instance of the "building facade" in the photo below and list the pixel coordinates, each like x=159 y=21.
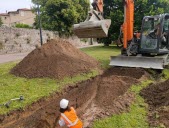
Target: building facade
x=21 y=16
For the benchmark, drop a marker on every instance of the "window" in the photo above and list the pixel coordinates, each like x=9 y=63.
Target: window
x=150 y=33
x=166 y=24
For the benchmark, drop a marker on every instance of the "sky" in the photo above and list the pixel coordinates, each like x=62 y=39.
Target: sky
x=13 y=5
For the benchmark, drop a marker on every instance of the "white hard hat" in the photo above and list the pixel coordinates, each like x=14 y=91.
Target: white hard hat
x=64 y=103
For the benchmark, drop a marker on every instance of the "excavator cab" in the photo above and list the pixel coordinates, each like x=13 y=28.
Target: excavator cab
x=154 y=35
x=152 y=51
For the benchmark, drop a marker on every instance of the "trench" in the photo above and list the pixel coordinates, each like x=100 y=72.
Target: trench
x=98 y=97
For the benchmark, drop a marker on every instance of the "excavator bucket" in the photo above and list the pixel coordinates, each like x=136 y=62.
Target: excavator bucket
x=92 y=29
x=139 y=61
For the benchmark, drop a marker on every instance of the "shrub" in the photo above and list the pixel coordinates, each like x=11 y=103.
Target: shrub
x=22 y=26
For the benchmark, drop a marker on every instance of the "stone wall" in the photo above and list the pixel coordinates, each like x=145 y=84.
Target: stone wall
x=18 y=40
x=15 y=40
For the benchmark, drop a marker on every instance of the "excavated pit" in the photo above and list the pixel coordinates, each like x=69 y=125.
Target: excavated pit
x=95 y=98
x=157 y=96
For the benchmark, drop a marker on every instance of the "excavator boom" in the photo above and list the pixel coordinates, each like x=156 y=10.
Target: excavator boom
x=95 y=26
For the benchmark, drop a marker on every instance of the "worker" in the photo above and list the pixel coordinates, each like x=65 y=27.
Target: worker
x=95 y=5
x=157 y=29
x=68 y=116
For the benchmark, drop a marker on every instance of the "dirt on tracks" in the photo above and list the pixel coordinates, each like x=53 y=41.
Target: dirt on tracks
x=55 y=59
x=95 y=98
x=157 y=96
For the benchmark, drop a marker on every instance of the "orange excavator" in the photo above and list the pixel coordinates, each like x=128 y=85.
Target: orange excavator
x=151 y=50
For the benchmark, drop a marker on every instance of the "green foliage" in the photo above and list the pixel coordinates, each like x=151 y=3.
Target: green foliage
x=165 y=74
x=1 y=22
x=60 y=15
x=22 y=26
x=114 y=10
x=40 y=2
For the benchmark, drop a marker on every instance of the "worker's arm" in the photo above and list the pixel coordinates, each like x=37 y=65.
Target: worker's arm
x=61 y=122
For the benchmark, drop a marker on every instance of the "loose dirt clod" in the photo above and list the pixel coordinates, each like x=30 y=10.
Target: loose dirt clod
x=157 y=96
x=55 y=59
x=96 y=98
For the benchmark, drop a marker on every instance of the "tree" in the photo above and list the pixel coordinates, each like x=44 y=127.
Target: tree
x=1 y=22
x=60 y=15
x=113 y=9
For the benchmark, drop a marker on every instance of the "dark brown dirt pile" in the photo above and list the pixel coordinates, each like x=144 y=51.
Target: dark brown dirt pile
x=96 y=98
x=157 y=96
x=122 y=71
x=55 y=59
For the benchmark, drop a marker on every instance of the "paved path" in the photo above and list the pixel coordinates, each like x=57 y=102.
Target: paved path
x=18 y=56
x=12 y=57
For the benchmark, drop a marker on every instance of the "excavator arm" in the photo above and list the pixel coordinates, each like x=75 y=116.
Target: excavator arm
x=127 y=26
x=95 y=26
x=98 y=5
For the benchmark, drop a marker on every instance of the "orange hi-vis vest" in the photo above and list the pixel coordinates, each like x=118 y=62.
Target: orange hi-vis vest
x=70 y=118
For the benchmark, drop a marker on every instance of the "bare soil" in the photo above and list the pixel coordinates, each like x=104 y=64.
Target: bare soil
x=95 y=98
x=157 y=96
x=55 y=59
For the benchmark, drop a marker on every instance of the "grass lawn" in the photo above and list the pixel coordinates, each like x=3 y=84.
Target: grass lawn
x=32 y=89
x=102 y=53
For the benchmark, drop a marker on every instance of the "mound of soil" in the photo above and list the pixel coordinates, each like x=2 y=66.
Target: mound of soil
x=55 y=59
x=96 y=98
x=157 y=96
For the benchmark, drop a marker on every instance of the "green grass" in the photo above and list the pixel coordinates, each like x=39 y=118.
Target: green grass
x=102 y=53
x=165 y=74
x=135 y=118
x=32 y=89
